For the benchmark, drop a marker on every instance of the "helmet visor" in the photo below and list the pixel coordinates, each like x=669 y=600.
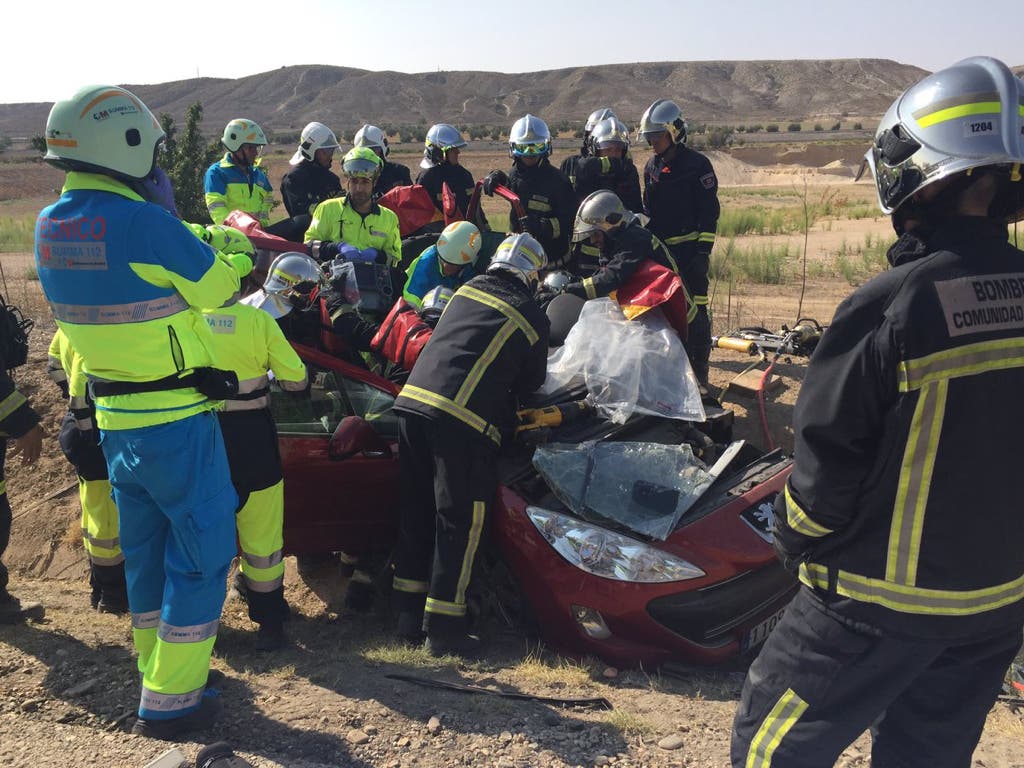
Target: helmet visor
x=361 y=168
x=530 y=150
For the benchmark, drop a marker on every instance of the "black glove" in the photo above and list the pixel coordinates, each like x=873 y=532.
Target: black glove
x=537 y=226
x=791 y=548
x=324 y=250
x=494 y=179
x=545 y=296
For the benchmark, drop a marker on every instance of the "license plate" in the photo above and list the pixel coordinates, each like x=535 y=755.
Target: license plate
x=761 y=518
x=760 y=631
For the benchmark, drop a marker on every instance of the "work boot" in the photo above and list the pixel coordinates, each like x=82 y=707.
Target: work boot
x=239 y=589
x=409 y=629
x=210 y=708
x=359 y=597
x=15 y=611
x=220 y=755
x=270 y=637
x=112 y=601
x=453 y=644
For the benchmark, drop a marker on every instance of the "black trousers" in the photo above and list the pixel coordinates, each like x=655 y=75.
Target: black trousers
x=6 y=519
x=693 y=269
x=820 y=682
x=449 y=480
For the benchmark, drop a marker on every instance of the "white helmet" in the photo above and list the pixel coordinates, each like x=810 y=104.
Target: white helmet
x=103 y=129
x=596 y=117
x=314 y=136
x=373 y=137
x=292 y=277
x=434 y=303
x=521 y=256
x=529 y=137
x=459 y=243
x=663 y=116
x=609 y=132
x=969 y=115
x=440 y=138
x=242 y=131
x=600 y=211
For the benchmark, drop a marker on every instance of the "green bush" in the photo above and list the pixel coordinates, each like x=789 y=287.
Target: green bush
x=772 y=128
x=793 y=127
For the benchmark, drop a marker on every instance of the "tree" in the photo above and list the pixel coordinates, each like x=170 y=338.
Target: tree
x=185 y=161
x=38 y=143
x=793 y=127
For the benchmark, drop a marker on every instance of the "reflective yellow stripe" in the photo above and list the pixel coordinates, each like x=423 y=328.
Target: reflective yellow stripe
x=444 y=607
x=3 y=487
x=506 y=309
x=688 y=237
x=483 y=362
x=556 y=227
x=658 y=244
x=961 y=110
x=967 y=360
x=588 y=286
x=916 y=600
x=798 y=520
x=914 y=483
x=409 y=585
x=706 y=237
x=473 y=542
x=11 y=403
x=700 y=301
x=538 y=205
x=453 y=409
x=780 y=720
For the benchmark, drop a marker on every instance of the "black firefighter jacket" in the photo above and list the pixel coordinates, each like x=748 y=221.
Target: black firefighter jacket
x=549 y=200
x=489 y=349
x=903 y=509
x=307 y=185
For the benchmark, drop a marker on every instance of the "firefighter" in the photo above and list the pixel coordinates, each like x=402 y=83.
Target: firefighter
x=440 y=164
x=681 y=199
x=125 y=281
x=449 y=263
x=623 y=244
x=355 y=219
x=311 y=181
x=543 y=190
x=392 y=174
x=21 y=424
x=610 y=166
x=901 y=514
x=236 y=182
x=249 y=342
x=489 y=349
x=568 y=166
x=80 y=444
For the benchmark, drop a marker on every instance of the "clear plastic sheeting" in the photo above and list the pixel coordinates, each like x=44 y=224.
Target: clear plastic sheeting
x=627 y=366
x=646 y=487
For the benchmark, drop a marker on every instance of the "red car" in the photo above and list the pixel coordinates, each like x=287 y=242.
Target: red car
x=712 y=589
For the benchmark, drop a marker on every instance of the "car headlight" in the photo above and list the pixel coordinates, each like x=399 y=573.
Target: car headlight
x=605 y=553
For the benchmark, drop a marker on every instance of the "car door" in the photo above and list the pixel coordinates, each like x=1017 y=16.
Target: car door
x=332 y=505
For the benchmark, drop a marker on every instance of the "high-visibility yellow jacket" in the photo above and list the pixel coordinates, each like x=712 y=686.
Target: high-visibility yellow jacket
x=230 y=187
x=249 y=342
x=125 y=281
x=335 y=220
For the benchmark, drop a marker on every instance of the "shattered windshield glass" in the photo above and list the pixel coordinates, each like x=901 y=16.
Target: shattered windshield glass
x=646 y=487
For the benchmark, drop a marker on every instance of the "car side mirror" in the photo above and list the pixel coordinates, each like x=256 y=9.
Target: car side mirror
x=355 y=436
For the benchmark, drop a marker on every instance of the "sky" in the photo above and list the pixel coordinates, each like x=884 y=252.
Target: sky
x=65 y=45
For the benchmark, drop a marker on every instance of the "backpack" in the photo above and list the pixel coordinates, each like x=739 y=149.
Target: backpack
x=14 y=330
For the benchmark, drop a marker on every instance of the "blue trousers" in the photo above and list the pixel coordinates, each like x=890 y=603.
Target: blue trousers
x=176 y=507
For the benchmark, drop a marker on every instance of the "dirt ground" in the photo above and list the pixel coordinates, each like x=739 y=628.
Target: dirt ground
x=69 y=687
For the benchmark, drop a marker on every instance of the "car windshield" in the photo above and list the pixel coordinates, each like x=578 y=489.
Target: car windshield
x=330 y=398
x=645 y=487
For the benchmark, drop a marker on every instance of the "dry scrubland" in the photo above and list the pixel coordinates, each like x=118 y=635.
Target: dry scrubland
x=68 y=686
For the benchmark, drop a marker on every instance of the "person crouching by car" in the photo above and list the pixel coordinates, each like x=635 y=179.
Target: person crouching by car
x=249 y=342
x=449 y=263
x=489 y=350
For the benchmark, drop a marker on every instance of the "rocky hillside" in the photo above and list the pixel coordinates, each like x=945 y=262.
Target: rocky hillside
x=724 y=91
